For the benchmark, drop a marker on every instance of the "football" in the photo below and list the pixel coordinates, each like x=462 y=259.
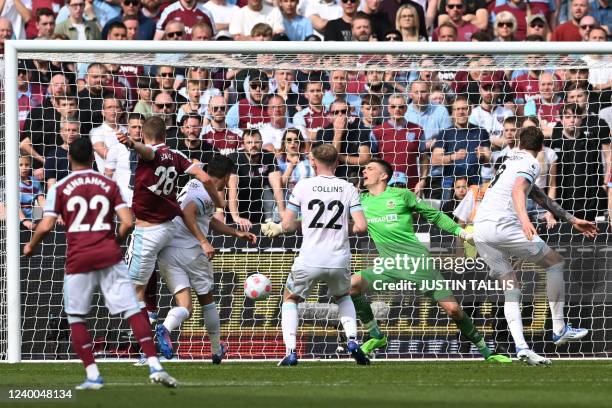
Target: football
x=257 y=287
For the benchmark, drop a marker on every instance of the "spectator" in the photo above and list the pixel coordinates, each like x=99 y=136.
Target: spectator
x=537 y=25
x=151 y=9
x=29 y=95
x=256 y=171
x=52 y=5
x=361 y=27
x=463 y=150
x=347 y=136
x=6 y=32
x=293 y=162
x=447 y=32
x=96 y=11
x=338 y=84
x=586 y=24
x=570 y=30
x=526 y=85
x=190 y=144
x=499 y=146
x=202 y=32
x=132 y=25
x=456 y=10
x=518 y=9
x=602 y=12
x=261 y=32
x=216 y=133
x=460 y=189
x=297 y=27
x=174 y=31
x=272 y=132
x=399 y=143
x=117 y=166
x=193 y=105
x=135 y=122
x=144 y=106
x=312 y=118
x=340 y=28
x=600 y=78
x=165 y=107
x=104 y=136
x=489 y=115
x=431 y=118
x=250 y=111
x=390 y=8
x=18 y=12
x=90 y=97
x=167 y=80
x=188 y=12
x=201 y=76
x=142 y=26
x=475 y=12
x=378 y=18
x=320 y=12
x=45 y=23
x=371 y=117
x=407 y=23
x=546 y=106
x=580 y=167
x=57 y=165
x=31 y=193
x=282 y=83
x=222 y=13
x=505 y=27
x=116 y=31
x=76 y=27
x=256 y=11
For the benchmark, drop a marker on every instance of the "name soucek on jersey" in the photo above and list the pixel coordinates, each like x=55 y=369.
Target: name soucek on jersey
x=87 y=201
x=324 y=203
x=195 y=192
x=497 y=203
x=155 y=185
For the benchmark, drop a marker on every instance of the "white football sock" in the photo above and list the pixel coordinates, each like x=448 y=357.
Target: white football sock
x=154 y=363
x=92 y=371
x=348 y=317
x=289 y=323
x=512 y=312
x=175 y=317
x=555 y=291
x=213 y=326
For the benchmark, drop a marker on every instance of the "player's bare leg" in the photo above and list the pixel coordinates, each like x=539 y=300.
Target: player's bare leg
x=176 y=316
x=212 y=322
x=364 y=311
x=554 y=265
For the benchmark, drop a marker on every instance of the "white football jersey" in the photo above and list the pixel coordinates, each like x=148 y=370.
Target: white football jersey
x=193 y=191
x=497 y=203
x=324 y=203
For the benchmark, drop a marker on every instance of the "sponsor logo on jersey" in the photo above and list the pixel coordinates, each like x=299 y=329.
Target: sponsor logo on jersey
x=391 y=204
x=384 y=218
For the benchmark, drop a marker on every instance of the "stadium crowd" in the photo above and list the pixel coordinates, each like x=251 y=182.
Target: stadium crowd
x=443 y=130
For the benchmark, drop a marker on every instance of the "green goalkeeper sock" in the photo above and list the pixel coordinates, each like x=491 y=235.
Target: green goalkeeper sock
x=467 y=328
x=365 y=314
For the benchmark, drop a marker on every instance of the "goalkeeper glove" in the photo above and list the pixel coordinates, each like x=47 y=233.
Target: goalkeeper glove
x=466 y=236
x=271 y=229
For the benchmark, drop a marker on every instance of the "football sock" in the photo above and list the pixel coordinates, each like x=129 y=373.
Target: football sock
x=512 y=312
x=470 y=332
x=213 y=326
x=92 y=371
x=365 y=314
x=289 y=324
x=555 y=291
x=142 y=332
x=175 y=317
x=82 y=345
x=348 y=317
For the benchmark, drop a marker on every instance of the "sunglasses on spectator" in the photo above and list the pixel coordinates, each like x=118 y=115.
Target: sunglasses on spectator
x=350 y=1
x=536 y=25
x=258 y=85
x=175 y=34
x=166 y=74
x=505 y=24
x=587 y=26
x=339 y=112
x=131 y=2
x=392 y=38
x=454 y=6
x=217 y=108
x=164 y=105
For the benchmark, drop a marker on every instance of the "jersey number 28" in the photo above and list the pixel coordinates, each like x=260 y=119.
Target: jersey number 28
x=165 y=182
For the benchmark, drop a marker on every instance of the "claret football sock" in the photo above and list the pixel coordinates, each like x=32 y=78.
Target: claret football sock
x=366 y=315
x=82 y=344
x=142 y=332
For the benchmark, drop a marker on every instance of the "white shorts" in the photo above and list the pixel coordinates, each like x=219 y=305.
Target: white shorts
x=145 y=244
x=303 y=278
x=114 y=283
x=498 y=241
x=186 y=267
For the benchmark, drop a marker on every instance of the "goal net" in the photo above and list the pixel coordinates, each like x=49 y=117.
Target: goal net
x=442 y=119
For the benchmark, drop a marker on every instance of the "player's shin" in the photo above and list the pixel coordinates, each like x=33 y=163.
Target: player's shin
x=555 y=290
x=142 y=332
x=470 y=332
x=210 y=315
x=348 y=317
x=176 y=316
x=289 y=324
x=512 y=312
x=83 y=347
x=366 y=315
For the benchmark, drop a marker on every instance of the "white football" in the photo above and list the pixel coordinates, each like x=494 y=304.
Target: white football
x=257 y=287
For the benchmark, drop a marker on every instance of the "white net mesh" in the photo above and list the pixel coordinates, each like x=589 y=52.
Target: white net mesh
x=188 y=91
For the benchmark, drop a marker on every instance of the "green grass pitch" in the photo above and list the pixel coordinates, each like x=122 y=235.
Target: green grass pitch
x=320 y=384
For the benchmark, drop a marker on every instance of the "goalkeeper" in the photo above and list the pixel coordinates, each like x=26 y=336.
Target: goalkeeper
x=389 y=213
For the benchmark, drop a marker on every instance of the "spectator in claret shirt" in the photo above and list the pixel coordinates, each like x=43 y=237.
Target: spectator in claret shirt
x=447 y=32
x=188 y=12
x=312 y=118
x=570 y=30
x=6 y=32
x=249 y=111
x=456 y=11
x=505 y=27
x=45 y=23
x=29 y=95
x=538 y=26
x=216 y=133
x=547 y=105
x=475 y=12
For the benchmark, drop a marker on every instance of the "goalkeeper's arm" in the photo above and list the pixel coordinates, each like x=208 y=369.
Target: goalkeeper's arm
x=442 y=221
x=289 y=223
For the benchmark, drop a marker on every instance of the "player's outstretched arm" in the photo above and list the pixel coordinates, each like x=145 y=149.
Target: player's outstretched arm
x=221 y=228
x=442 y=221
x=209 y=185
x=190 y=217
x=144 y=151
x=519 y=198
x=43 y=228
x=587 y=228
x=289 y=223
x=125 y=223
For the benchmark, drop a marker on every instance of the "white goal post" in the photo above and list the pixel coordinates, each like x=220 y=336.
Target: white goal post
x=174 y=53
